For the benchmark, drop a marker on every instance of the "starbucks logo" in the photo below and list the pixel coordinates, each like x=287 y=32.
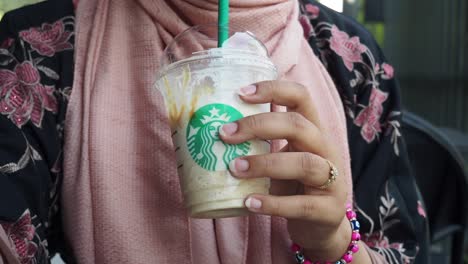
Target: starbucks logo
x=204 y=144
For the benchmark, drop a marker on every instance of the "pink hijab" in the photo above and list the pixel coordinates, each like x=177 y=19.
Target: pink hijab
x=121 y=196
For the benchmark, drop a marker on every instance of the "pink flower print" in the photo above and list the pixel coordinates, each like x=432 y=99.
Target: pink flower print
x=22 y=97
x=421 y=210
x=48 y=39
x=369 y=118
x=312 y=10
x=21 y=234
x=7 y=43
x=306 y=26
x=378 y=240
x=376 y=68
x=27 y=74
x=388 y=71
x=350 y=49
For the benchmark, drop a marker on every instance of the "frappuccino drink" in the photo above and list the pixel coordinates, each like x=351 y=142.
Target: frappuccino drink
x=200 y=89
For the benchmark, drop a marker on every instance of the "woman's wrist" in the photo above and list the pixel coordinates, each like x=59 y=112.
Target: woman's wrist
x=335 y=246
x=346 y=239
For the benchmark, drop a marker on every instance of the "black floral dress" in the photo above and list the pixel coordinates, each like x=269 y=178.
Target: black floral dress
x=36 y=75
x=36 y=61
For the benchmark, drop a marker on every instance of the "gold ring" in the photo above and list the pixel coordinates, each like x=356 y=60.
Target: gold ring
x=332 y=178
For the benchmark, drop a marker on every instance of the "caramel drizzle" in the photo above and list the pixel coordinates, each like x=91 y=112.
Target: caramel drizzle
x=176 y=112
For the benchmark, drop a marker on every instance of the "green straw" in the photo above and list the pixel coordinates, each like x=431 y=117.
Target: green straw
x=223 y=22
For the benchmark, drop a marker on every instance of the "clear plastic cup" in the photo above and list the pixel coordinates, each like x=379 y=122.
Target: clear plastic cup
x=200 y=84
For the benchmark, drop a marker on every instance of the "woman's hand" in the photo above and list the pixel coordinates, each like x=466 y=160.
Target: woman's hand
x=316 y=217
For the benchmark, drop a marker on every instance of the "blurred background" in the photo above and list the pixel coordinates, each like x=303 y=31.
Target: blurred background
x=427 y=42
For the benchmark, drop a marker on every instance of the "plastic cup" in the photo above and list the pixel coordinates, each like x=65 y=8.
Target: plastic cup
x=200 y=84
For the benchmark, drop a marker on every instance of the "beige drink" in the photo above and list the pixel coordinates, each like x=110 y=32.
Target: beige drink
x=200 y=92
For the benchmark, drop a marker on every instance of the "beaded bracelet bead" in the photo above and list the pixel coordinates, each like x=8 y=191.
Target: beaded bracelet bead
x=352 y=248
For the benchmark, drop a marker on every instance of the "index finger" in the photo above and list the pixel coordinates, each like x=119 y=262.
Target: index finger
x=293 y=95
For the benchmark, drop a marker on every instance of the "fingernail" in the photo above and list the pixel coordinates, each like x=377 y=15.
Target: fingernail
x=248 y=90
x=228 y=129
x=253 y=203
x=238 y=165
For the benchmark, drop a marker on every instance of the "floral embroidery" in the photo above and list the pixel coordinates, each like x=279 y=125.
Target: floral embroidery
x=48 y=39
x=6 y=44
x=28 y=92
x=358 y=59
x=394 y=252
x=378 y=239
x=362 y=80
x=421 y=210
x=30 y=154
x=388 y=70
x=306 y=26
x=369 y=117
x=21 y=234
x=393 y=127
x=350 y=49
x=312 y=10
x=22 y=97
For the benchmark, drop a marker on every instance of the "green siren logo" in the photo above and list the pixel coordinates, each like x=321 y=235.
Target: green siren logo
x=204 y=144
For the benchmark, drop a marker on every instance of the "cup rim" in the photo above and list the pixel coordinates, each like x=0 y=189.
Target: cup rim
x=219 y=53
x=232 y=29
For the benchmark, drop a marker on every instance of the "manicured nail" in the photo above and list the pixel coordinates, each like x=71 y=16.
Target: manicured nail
x=238 y=165
x=248 y=90
x=228 y=129
x=253 y=203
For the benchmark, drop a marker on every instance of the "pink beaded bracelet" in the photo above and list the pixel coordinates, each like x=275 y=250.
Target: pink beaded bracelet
x=353 y=246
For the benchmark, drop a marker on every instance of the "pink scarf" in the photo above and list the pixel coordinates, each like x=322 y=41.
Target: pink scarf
x=121 y=196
